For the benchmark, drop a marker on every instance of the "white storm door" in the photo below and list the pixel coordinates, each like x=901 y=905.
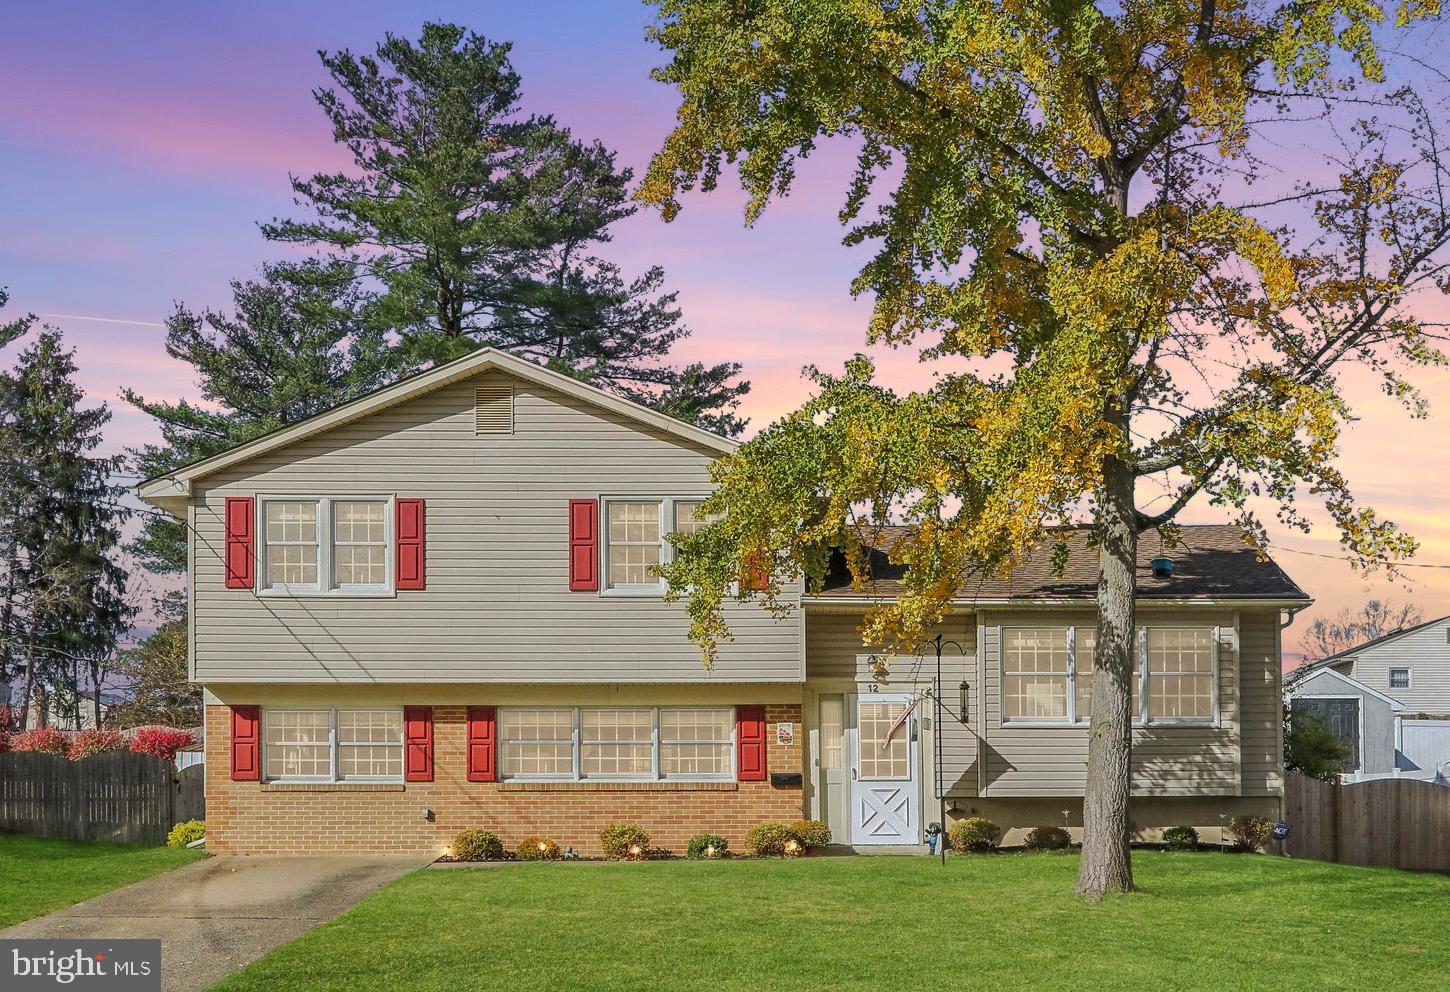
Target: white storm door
x=885 y=799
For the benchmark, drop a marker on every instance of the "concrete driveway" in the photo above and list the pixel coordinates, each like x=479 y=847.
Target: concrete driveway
x=217 y=915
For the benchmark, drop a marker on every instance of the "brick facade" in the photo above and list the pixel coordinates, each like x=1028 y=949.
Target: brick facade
x=258 y=818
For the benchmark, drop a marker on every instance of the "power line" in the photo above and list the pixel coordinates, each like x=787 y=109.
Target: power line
x=1317 y=554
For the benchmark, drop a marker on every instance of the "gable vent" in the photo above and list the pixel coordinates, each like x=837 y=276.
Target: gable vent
x=493 y=410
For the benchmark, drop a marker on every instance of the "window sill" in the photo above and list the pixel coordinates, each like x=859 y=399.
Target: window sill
x=641 y=592
x=516 y=786
x=332 y=787
x=326 y=594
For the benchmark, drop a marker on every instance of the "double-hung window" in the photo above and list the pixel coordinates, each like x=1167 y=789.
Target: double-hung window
x=333 y=745
x=1180 y=673
x=637 y=532
x=621 y=744
x=1047 y=675
x=337 y=546
x=1036 y=676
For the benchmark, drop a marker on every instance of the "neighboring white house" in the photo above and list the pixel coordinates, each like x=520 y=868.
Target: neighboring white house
x=1390 y=699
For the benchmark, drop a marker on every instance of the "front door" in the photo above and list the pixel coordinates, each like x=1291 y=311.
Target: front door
x=885 y=800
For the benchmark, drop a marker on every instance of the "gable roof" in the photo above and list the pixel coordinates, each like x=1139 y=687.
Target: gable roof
x=171 y=490
x=1211 y=563
x=1353 y=683
x=1394 y=635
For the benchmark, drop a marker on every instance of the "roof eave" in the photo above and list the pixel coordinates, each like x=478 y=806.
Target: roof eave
x=1283 y=602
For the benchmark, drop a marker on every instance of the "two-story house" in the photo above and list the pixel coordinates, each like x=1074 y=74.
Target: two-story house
x=1389 y=698
x=431 y=608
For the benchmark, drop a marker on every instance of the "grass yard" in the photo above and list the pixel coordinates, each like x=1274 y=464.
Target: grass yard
x=1202 y=921
x=39 y=876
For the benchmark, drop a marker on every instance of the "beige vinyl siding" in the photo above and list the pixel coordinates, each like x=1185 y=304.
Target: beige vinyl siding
x=1426 y=653
x=497 y=607
x=1262 y=721
x=834 y=652
x=1238 y=755
x=1167 y=760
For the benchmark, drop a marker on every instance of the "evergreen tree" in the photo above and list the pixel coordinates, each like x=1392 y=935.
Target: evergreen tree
x=65 y=603
x=476 y=222
x=300 y=341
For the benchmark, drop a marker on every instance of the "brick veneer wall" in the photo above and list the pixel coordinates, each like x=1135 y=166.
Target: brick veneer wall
x=253 y=818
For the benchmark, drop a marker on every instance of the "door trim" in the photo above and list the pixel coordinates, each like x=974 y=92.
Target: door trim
x=912 y=785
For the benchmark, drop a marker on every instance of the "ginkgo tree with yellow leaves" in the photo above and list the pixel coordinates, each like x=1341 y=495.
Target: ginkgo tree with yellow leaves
x=1061 y=202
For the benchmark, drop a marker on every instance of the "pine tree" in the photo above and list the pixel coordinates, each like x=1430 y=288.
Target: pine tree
x=477 y=224
x=65 y=587
x=300 y=341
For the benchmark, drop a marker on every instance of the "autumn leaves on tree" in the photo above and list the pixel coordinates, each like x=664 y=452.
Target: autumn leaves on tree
x=1066 y=206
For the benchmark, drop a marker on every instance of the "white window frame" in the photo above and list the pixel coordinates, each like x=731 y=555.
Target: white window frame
x=657 y=773
x=1215 y=649
x=1079 y=720
x=1409 y=678
x=1071 y=719
x=666 y=504
x=334 y=747
x=326 y=563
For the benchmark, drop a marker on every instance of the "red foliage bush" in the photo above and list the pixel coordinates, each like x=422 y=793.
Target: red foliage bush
x=9 y=721
x=162 y=742
x=89 y=742
x=45 y=739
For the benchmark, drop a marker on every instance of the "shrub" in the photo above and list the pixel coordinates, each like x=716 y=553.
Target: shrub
x=625 y=841
x=1047 y=838
x=975 y=833
x=772 y=840
x=1180 y=838
x=538 y=849
x=47 y=740
x=9 y=721
x=707 y=846
x=161 y=742
x=1250 y=833
x=89 y=742
x=185 y=833
x=1312 y=749
x=477 y=845
x=811 y=833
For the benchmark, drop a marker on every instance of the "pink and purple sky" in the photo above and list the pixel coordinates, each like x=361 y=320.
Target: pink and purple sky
x=142 y=145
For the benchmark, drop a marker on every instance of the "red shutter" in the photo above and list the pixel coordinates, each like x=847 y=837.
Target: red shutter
x=417 y=743
x=482 y=738
x=241 y=555
x=408 y=533
x=583 y=545
x=756 y=577
x=750 y=743
x=246 y=743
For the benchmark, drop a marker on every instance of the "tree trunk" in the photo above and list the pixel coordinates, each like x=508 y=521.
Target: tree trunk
x=1106 y=865
x=95 y=667
x=26 y=693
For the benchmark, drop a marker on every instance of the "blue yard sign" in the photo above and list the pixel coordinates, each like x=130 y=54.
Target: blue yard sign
x=1281 y=830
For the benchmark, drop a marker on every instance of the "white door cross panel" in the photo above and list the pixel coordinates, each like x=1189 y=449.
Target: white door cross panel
x=885 y=814
x=885 y=795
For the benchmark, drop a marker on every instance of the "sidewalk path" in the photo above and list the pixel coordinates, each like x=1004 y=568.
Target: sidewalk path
x=217 y=915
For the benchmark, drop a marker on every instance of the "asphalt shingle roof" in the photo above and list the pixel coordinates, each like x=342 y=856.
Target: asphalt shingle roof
x=1211 y=562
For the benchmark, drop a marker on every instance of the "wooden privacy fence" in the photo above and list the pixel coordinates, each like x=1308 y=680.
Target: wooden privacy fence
x=119 y=796
x=1387 y=823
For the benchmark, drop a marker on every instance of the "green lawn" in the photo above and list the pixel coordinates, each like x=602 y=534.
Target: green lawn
x=1202 y=921
x=40 y=876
